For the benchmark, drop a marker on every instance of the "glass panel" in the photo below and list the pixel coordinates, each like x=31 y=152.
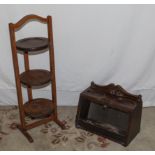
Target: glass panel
x=108 y=118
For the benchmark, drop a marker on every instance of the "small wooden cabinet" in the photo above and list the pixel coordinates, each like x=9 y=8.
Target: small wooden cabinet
x=110 y=111
x=44 y=110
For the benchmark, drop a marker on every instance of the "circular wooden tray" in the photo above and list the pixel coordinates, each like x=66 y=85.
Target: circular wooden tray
x=38 y=108
x=32 y=44
x=35 y=77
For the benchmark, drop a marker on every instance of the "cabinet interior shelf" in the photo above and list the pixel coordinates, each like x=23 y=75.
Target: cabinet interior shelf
x=106 y=126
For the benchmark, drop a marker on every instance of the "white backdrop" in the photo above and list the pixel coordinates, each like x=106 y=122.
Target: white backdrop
x=101 y=43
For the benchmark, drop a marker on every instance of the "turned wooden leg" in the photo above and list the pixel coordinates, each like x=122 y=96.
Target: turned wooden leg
x=58 y=122
x=25 y=133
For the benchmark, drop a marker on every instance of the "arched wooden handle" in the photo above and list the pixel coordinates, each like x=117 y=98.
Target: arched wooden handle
x=28 y=18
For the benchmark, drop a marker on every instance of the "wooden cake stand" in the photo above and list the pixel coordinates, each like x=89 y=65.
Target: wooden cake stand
x=40 y=108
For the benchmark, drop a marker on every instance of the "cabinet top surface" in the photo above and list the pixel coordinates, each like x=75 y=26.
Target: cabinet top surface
x=32 y=44
x=112 y=96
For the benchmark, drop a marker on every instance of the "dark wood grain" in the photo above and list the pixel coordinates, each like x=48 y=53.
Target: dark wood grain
x=32 y=44
x=38 y=108
x=35 y=77
x=110 y=111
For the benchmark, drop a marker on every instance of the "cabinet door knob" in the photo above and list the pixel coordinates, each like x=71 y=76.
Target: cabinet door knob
x=105 y=106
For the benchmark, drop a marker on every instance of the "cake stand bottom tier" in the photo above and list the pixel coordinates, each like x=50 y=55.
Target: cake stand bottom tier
x=38 y=108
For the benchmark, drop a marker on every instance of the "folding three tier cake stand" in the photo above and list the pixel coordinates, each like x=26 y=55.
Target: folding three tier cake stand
x=40 y=109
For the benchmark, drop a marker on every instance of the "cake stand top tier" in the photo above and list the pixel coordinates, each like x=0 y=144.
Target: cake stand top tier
x=32 y=44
